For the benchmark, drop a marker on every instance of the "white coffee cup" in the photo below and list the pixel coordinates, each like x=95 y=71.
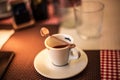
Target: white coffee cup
x=59 y=53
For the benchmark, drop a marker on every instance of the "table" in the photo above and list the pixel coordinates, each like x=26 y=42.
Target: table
x=110 y=38
x=26 y=43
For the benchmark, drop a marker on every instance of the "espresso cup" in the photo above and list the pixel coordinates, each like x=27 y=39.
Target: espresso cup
x=60 y=53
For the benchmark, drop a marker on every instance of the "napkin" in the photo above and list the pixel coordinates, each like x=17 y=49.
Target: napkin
x=4 y=36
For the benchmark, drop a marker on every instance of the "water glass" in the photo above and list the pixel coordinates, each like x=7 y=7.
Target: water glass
x=89 y=19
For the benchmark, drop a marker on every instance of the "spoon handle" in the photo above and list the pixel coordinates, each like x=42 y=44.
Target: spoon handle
x=64 y=42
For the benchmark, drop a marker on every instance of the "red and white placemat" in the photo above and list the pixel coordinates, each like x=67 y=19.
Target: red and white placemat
x=110 y=64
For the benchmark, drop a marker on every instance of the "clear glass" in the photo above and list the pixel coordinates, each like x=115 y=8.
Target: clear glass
x=89 y=19
x=66 y=12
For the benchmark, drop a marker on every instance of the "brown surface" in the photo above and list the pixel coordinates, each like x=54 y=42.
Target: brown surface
x=92 y=71
x=26 y=43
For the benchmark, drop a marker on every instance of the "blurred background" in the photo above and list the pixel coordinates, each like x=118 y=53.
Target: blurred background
x=47 y=13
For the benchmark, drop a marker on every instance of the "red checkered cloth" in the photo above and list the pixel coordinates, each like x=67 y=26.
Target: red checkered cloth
x=110 y=64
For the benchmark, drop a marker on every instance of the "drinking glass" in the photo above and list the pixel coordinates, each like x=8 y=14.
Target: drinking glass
x=89 y=19
x=66 y=12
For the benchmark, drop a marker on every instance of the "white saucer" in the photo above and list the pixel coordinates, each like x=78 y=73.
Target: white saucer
x=43 y=66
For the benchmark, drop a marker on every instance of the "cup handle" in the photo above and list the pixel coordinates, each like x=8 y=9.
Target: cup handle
x=74 y=54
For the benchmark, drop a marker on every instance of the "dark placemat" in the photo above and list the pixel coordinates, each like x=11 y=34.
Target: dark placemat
x=23 y=69
x=91 y=72
x=5 y=60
